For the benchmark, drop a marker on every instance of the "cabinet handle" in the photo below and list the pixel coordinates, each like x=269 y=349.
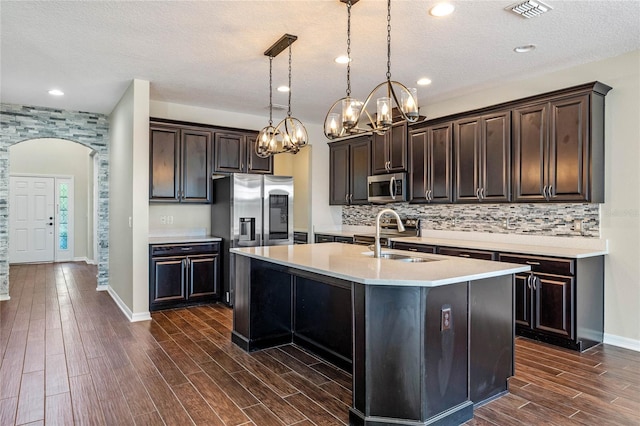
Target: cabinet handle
x=544 y=192
x=478 y=193
x=426 y=194
x=464 y=255
x=529 y=280
x=534 y=280
x=186 y=248
x=412 y=249
x=346 y=198
x=431 y=195
x=242 y=165
x=350 y=198
x=482 y=193
x=531 y=262
x=549 y=192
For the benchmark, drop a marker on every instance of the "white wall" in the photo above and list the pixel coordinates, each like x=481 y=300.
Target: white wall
x=62 y=157
x=128 y=201
x=620 y=215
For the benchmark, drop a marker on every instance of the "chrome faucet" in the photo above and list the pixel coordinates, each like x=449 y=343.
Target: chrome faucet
x=376 y=245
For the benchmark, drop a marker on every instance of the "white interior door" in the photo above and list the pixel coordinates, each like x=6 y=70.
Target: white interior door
x=31 y=219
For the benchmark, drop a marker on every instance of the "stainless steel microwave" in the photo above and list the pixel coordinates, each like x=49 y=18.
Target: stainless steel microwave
x=388 y=188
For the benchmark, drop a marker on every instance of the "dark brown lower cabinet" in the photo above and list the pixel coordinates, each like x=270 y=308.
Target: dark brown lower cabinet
x=327 y=238
x=183 y=274
x=561 y=301
x=473 y=254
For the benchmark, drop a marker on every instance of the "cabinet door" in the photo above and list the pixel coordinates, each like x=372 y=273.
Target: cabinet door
x=257 y=164
x=203 y=277
x=496 y=157
x=360 y=169
x=523 y=301
x=164 y=167
x=229 y=153
x=554 y=305
x=167 y=280
x=196 y=166
x=418 y=171
x=397 y=139
x=569 y=150
x=467 y=159
x=530 y=145
x=439 y=160
x=379 y=154
x=338 y=173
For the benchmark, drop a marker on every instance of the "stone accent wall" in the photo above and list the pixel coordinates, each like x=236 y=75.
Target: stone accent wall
x=19 y=123
x=546 y=219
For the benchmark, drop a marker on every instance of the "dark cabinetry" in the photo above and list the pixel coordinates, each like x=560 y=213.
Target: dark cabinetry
x=350 y=165
x=235 y=153
x=558 y=146
x=430 y=150
x=422 y=248
x=561 y=301
x=461 y=252
x=180 y=164
x=483 y=158
x=182 y=274
x=389 y=151
x=327 y=238
x=300 y=237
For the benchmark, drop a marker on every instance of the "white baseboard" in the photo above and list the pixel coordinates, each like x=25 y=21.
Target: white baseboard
x=623 y=342
x=102 y=287
x=139 y=316
x=4 y=297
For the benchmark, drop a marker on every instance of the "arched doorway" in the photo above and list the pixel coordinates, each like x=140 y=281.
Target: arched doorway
x=51 y=201
x=21 y=123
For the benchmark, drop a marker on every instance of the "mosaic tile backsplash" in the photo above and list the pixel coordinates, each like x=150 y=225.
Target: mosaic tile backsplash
x=558 y=220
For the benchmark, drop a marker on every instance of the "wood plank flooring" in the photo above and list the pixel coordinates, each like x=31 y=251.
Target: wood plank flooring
x=69 y=356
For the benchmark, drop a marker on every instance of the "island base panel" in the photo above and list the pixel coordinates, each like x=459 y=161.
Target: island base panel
x=454 y=416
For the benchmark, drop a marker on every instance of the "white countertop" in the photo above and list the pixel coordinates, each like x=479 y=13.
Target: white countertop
x=181 y=239
x=347 y=262
x=550 y=249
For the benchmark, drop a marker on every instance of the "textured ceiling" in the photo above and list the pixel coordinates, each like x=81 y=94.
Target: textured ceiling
x=210 y=53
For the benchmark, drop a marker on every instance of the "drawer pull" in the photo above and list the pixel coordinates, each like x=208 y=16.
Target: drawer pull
x=412 y=249
x=531 y=262
x=464 y=255
x=186 y=248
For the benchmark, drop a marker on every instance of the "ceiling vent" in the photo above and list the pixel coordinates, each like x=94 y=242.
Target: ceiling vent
x=529 y=8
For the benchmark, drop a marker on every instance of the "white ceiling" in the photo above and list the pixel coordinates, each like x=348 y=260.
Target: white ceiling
x=210 y=53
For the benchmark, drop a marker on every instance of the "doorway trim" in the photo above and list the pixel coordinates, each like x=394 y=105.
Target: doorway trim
x=23 y=122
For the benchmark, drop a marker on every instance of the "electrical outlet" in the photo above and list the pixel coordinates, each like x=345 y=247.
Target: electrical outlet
x=445 y=319
x=170 y=220
x=163 y=220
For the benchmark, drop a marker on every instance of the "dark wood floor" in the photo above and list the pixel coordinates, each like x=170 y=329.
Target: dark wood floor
x=70 y=356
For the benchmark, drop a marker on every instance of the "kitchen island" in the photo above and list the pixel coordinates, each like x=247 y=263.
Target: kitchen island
x=424 y=339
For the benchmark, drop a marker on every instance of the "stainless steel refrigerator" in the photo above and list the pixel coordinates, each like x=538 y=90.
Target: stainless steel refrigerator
x=250 y=210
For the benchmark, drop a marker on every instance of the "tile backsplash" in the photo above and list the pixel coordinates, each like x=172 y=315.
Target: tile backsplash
x=559 y=220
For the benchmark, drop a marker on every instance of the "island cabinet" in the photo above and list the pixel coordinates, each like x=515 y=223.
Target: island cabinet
x=430 y=177
x=473 y=254
x=180 y=164
x=561 y=301
x=183 y=274
x=349 y=167
x=558 y=147
x=235 y=153
x=389 y=151
x=482 y=158
x=328 y=238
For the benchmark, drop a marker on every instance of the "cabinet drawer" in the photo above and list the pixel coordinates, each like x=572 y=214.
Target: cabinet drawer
x=474 y=254
x=422 y=248
x=184 y=249
x=321 y=238
x=549 y=265
x=347 y=240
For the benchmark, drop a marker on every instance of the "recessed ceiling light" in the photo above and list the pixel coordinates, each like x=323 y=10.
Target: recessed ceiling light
x=424 y=81
x=524 y=48
x=56 y=92
x=283 y=89
x=442 y=9
x=342 y=59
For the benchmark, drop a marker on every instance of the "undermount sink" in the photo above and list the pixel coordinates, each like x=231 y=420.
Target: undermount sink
x=400 y=257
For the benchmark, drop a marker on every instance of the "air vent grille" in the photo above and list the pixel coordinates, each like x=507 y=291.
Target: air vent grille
x=529 y=8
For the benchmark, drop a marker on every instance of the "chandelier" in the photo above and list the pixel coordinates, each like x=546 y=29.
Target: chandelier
x=290 y=134
x=349 y=116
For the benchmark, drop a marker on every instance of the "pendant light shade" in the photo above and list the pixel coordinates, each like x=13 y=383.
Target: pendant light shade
x=289 y=135
x=387 y=101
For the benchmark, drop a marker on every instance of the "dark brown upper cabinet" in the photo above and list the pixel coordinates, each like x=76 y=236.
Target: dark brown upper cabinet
x=235 y=153
x=180 y=165
x=350 y=165
x=389 y=151
x=558 y=147
x=482 y=159
x=430 y=176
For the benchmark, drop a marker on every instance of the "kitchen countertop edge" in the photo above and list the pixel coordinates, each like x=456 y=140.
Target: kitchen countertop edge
x=183 y=239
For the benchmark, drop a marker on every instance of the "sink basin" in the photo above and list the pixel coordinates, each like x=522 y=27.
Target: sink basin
x=401 y=257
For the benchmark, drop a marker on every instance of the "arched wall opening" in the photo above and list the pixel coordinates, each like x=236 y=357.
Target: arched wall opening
x=21 y=123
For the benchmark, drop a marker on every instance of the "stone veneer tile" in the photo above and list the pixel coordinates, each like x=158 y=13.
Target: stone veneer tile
x=548 y=219
x=21 y=122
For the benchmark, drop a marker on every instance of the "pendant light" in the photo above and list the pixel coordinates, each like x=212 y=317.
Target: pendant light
x=364 y=117
x=290 y=134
